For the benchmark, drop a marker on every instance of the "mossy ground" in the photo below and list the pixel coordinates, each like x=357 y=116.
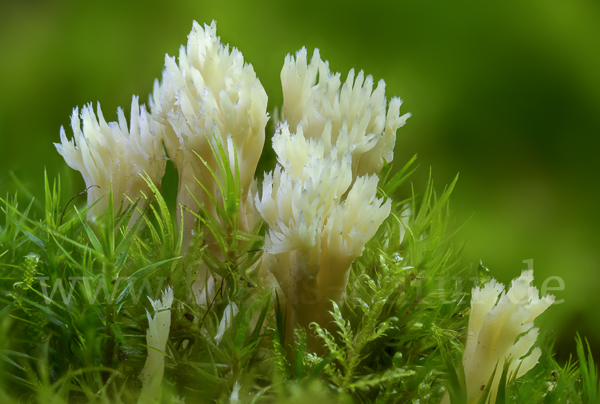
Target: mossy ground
x=73 y=301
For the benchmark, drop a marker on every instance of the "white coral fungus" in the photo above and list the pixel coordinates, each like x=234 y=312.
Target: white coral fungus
x=157 y=337
x=211 y=92
x=315 y=235
x=501 y=329
x=230 y=312
x=113 y=153
x=320 y=202
x=350 y=116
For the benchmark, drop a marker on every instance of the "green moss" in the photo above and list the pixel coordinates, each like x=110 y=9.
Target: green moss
x=397 y=338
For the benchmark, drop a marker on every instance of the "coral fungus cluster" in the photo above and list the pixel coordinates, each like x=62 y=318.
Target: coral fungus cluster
x=320 y=203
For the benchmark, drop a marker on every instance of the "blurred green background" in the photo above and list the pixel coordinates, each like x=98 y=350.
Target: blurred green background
x=506 y=93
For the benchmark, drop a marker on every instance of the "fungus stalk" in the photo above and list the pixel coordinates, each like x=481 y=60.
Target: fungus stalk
x=157 y=337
